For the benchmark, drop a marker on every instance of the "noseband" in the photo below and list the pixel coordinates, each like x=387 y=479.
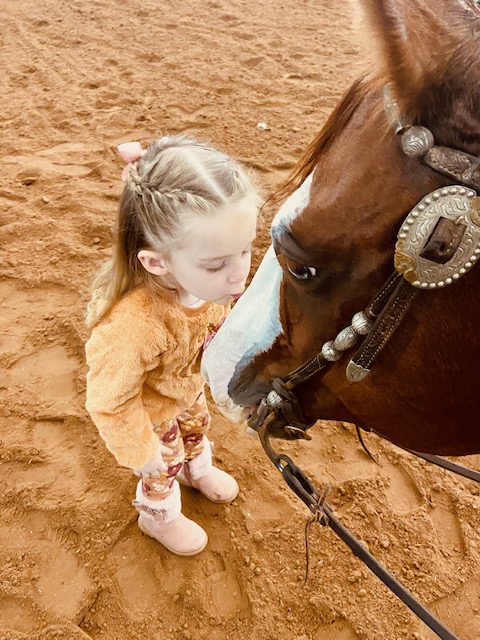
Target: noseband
x=422 y=262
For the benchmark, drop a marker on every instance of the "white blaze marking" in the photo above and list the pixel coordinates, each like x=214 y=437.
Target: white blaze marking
x=254 y=323
x=251 y=327
x=294 y=205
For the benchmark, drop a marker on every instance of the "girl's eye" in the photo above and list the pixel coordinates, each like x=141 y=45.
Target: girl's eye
x=302 y=272
x=219 y=268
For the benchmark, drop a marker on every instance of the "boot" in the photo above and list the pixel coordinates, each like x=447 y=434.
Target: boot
x=164 y=521
x=213 y=483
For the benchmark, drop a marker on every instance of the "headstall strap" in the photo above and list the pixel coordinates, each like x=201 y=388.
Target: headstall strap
x=383 y=329
x=458 y=164
x=438 y=242
x=281 y=399
x=424 y=261
x=459 y=205
x=422 y=256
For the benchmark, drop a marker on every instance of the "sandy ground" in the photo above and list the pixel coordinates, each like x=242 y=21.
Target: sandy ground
x=77 y=79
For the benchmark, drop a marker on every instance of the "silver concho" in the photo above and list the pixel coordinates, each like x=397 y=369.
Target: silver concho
x=456 y=203
x=345 y=339
x=416 y=141
x=361 y=324
x=274 y=400
x=330 y=353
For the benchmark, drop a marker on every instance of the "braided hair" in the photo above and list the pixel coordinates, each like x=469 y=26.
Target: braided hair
x=176 y=180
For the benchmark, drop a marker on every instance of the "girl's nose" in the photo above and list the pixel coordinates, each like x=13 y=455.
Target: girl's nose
x=239 y=273
x=236 y=277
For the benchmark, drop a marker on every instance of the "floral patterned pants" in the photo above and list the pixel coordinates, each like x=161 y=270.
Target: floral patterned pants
x=183 y=436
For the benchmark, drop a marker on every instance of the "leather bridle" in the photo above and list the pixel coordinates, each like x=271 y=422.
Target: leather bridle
x=380 y=319
x=376 y=324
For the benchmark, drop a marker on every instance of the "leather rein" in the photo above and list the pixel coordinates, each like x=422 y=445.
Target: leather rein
x=420 y=264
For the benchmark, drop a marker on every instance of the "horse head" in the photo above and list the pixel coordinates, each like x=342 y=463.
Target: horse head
x=333 y=242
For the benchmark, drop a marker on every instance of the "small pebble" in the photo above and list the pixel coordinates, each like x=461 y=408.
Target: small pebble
x=258 y=536
x=96 y=240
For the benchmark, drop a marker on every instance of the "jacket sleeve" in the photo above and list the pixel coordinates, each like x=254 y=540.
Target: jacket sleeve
x=119 y=354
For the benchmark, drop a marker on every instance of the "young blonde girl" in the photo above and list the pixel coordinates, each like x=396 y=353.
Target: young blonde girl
x=182 y=249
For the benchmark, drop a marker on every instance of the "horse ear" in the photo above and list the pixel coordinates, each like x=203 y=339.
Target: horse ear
x=413 y=41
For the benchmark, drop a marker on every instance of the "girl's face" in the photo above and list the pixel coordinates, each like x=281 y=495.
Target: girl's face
x=213 y=261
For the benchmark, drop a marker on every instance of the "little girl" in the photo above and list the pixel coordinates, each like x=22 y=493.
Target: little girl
x=181 y=255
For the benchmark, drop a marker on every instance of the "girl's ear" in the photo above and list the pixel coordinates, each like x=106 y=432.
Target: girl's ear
x=153 y=262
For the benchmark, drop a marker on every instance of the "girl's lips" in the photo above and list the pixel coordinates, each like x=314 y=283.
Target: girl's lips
x=236 y=296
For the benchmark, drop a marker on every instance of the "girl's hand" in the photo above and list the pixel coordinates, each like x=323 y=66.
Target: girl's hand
x=157 y=464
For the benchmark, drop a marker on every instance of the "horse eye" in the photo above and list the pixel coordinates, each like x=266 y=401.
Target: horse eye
x=303 y=273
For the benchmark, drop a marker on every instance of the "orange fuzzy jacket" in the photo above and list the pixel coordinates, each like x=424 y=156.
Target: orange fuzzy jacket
x=144 y=368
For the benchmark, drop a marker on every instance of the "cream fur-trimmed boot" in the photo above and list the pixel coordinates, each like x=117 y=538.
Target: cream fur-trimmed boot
x=199 y=473
x=164 y=521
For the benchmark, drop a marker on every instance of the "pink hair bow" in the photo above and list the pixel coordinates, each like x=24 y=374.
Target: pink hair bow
x=130 y=152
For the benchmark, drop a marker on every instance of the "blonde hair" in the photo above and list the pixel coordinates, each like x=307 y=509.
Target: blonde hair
x=174 y=181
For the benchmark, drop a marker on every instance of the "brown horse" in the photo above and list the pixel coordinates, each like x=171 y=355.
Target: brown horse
x=334 y=240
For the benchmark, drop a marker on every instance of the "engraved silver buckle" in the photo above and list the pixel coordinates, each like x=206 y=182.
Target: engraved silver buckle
x=457 y=203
